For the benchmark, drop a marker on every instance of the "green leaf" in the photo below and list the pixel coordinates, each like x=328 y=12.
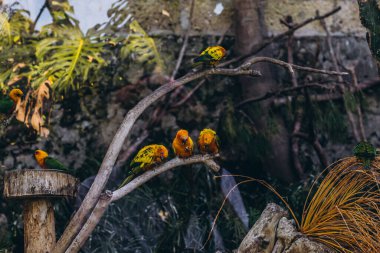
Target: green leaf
x=142 y=48
x=66 y=60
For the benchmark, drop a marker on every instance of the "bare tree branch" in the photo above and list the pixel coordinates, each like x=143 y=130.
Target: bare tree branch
x=176 y=162
x=327 y=97
x=282 y=92
x=260 y=47
x=290 y=67
x=89 y=202
x=185 y=42
x=350 y=115
x=107 y=198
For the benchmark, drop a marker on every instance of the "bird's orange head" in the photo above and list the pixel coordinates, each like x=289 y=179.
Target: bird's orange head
x=224 y=51
x=207 y=135
x=40 y=156
x=182 y=135
x=162 y=152
x=16 y=95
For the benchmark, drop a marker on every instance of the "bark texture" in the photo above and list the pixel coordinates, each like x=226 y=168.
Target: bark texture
x=37 y=187
x=273 y=232
x=38 y=183
x=39 y=226
x=250 y=31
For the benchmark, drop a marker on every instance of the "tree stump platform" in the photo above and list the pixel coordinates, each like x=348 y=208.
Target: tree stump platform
x=37 y=188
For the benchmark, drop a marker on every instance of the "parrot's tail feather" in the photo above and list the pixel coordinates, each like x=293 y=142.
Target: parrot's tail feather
x=126 y=181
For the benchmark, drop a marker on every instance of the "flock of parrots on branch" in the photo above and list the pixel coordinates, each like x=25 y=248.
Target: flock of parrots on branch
x=148 y=156
x=151 y=155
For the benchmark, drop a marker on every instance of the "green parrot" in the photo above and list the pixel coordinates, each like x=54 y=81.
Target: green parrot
x=47 y=162
x=8 y=105
x=365 y=152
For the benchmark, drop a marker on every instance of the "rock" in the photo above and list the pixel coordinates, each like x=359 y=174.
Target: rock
x=261 y=237
x=273 y=232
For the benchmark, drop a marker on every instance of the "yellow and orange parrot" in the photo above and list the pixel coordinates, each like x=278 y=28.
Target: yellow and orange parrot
x=208 y=142
x=183 y=144
x=145 y=159
x=47 y=162
x=8 y=105
x=210 y=56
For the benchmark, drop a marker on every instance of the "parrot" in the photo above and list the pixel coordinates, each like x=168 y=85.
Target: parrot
x=210 y=56
x=183 y=144
x=47 y=162
x=145 y=159
x=208 y=142
x=8 y=105
x=365 y=152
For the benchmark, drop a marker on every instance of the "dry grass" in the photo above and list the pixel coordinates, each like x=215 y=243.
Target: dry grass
x=344 y=210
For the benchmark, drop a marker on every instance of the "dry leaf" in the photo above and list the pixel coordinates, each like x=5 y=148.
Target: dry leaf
x=30 y=110
x=165 y=13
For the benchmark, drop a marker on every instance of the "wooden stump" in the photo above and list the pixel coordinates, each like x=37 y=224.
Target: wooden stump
x=38 y=188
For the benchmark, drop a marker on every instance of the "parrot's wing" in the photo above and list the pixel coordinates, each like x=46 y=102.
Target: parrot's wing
x=191 y=144
x=217 y=141
x=145 y=155
x=54 y=164
x=203 y=58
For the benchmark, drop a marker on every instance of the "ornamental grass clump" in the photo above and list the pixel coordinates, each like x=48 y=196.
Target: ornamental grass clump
x=344 y=211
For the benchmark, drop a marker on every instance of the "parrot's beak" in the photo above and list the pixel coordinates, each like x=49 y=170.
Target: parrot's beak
x=184 y=140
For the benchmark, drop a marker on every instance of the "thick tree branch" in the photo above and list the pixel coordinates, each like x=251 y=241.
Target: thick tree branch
x=176 y=162
x=91 y=199
x=107 y=198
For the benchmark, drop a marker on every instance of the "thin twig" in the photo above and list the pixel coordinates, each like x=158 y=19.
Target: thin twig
x=253 y=60
x=282 y=92
x=298 y=115
x=189 y=94
x=263 y=45
x=132 y=148
x=350 y=115
x=39 y=15
x=328 y=97
x=185 y=42
x=351 y=69
x=107 y=198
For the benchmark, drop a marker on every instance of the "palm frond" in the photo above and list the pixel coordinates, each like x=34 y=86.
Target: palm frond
x=141 y=47
x=66 y=60
x=13 y=27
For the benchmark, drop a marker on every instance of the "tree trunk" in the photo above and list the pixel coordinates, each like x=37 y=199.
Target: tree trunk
x=39 y=226
x=250 y=31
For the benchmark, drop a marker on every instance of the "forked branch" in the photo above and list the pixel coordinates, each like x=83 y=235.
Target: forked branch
x=108 y=197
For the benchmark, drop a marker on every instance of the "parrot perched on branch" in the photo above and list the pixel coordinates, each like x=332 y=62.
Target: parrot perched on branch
x=208 y=142
x=47 y=162
x=365 y=152
x=8 y=105
x=183 y=145
x=146 y=158
x=210 y=56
